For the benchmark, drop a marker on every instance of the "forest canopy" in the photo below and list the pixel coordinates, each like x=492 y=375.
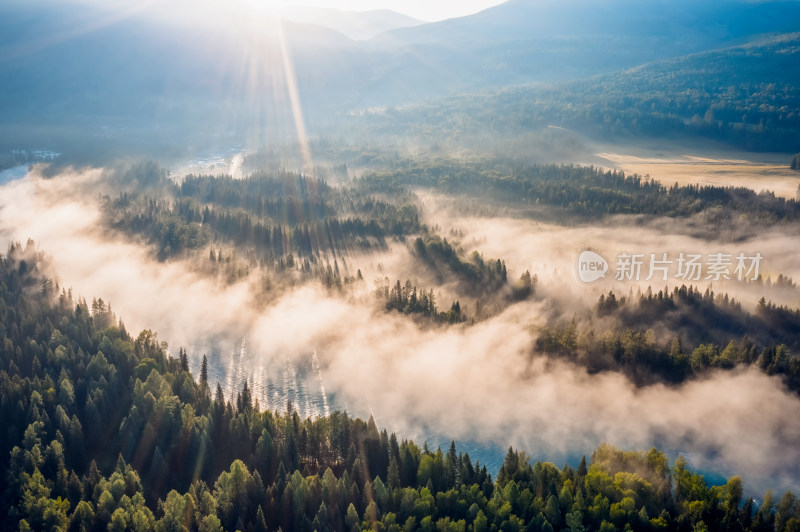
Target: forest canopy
x=108 y=431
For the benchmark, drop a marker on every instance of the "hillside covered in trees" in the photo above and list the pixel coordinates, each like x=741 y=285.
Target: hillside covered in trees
x=107 y=431
x=744 y=96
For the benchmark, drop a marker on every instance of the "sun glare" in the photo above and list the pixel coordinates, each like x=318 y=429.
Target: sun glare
x=421 y=9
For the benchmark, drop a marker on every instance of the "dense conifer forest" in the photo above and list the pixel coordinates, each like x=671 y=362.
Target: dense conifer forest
x=370 y=242
x=104 y=430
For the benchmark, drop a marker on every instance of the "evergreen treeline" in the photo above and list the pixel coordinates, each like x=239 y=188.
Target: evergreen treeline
x=260 y=217
x=106 y=432
x=588 y=192
x=709 y=332
x=703 y=317
x=273 y=214
x=476 y=276
x=405 y=298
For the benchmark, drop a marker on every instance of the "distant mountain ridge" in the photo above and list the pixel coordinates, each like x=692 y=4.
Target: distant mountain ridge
x=76 y=63
x=720 y=21
x=746 y=95
x=357 y=25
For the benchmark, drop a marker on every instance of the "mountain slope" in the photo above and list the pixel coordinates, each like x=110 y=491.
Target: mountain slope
x=192 y=67
x=98 y=66
x=357 y=25
x=529 y=40
x=694 y=23
x=746 y=95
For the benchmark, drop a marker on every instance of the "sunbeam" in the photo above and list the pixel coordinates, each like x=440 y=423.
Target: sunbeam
x=294 y=96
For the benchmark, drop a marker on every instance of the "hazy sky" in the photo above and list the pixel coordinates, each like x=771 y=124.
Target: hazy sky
x=421 y=9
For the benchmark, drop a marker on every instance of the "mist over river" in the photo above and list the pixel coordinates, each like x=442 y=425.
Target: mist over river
x=482 y=385
x=302 y=382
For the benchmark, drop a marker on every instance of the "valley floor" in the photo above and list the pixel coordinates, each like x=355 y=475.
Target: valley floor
x=686 y=166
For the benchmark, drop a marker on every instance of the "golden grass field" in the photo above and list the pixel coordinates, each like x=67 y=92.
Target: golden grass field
x=758 y=171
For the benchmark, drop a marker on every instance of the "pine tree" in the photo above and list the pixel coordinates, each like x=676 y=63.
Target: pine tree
x=261 y=523
x=219 y=397
x=184 y=359
x=393 y=476
x=582 y=470
x=245 y=404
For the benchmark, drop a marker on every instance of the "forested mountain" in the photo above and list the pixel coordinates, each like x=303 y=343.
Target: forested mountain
x=746 y=96
x=528 y=40
x=171 y=74
x=104 y=431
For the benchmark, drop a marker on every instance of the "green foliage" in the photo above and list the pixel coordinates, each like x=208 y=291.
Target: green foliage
x=746 y=96
x=704 y=325
x=406 y=299
x=479 y=275
x=584 y=193
x=162 y=454
x=268 y=215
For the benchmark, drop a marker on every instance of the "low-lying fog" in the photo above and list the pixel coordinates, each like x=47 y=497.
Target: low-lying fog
x=551 y=251
x=477 y=382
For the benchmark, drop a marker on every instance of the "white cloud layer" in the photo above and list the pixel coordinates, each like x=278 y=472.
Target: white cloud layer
x=483 y=382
